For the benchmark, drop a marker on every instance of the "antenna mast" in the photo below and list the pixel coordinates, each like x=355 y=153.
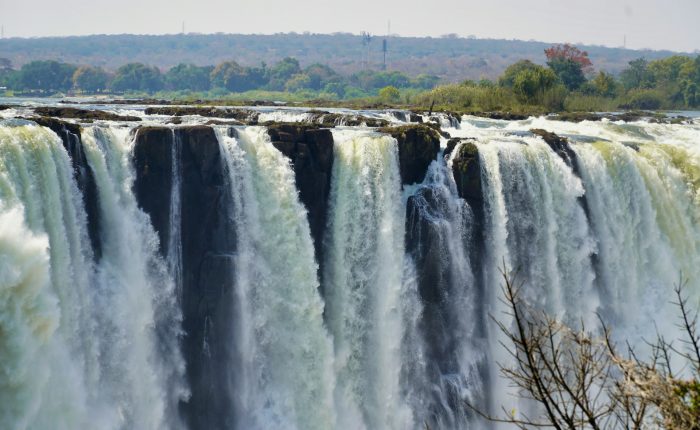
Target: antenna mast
x=366 y=40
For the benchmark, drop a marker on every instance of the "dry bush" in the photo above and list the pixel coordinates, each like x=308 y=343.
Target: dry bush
x=580 y=380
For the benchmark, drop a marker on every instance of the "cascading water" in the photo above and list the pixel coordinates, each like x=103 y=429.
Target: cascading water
x=96 y=324
x=49 y=346
x=285 y=376
x=135 y=296
x=367 y=304
x=438 y=238
x=394 y=335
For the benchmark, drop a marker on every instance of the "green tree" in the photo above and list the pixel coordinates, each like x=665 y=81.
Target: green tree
x=507 y=79
x=282 y=72
x=425 y=82
x=390 y=94
x=298 y=82
x=337 y=88
x=188 y=77
x=90 y=79
x=637 y=75
x=604 y=84
x=137 y=77
x=47 y=76
x=7 y=73
x=236 y=78
x=320 y=75
x=569 y=72
x=691 y=94
x=531 y=84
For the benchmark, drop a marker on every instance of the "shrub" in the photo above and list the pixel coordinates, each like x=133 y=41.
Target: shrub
x=643 y=99
x=390 y=94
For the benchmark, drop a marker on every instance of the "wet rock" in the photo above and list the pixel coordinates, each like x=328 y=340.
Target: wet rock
x=466 y=168
x=418 y=147
x=560 y=145
x=330 y=120
x=452 y=144
x=246 y=116
x=414 y=117
x=507 y=116
x=310 y=148
x=83 y=114
x=208 y=241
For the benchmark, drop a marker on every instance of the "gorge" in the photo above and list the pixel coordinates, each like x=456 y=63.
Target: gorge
x=272 y=268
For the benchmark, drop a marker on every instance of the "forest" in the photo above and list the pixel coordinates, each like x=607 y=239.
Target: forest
x=451 y=57
x=567 y=81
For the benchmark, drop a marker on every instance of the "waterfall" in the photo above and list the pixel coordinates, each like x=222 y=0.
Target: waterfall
x=536 y=227
x=90 y=332
x=135 y=295
x=285 y=379
x=645 y=222
x=101 y=274
x=174 y=250
x=439 y=237
x=366 y=301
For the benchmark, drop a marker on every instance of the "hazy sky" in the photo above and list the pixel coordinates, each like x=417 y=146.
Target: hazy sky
x=658 y=24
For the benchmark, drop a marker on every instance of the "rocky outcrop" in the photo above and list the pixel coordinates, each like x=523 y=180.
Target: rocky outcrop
x=418 y=147
x=330 y=120
x=208 y=242
x=70 y=136
x=560 y=145
x=466 y=169
x=310 y=148
x=83 y=114
x=246 y=116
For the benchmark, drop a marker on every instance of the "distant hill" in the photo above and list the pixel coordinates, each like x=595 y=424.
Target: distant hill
x=451 y=58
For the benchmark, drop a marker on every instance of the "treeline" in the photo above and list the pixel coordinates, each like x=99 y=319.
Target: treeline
x=568 y=83
x=287 y=75
x=450 y=57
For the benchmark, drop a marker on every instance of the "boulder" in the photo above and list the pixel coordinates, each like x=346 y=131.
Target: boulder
x=418 y=147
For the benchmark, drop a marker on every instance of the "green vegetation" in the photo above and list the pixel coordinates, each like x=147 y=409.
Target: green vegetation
x=566 y=83
x=569 y=84
x=452 y=58
x=284 y=81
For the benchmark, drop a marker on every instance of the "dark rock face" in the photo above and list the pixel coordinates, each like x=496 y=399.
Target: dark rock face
x=311 y=150
x=418 y=147
x=70 y=136
x=68 y=112
x=466 y=169
x=208 y=243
